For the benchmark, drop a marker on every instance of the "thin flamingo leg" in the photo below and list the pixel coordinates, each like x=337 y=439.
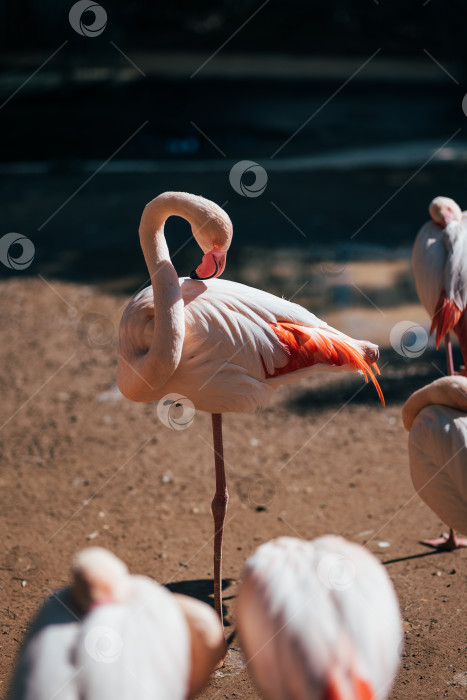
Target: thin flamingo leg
x=449 y=360
x=219 y=509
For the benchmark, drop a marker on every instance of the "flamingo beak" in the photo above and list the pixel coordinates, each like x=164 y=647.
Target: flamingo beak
x=212 y=265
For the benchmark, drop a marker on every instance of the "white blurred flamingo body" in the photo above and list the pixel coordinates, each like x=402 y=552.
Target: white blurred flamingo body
x=436 y=417
x=318 y=620
x=130 y=641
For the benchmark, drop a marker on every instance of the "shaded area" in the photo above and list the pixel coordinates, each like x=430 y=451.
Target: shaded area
x=257 y=116
x=421 y=555
x=94 y=238
x=400 y=377
x=202 y=589
x=348 y=26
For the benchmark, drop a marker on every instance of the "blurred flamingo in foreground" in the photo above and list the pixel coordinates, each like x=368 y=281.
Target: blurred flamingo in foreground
x=436 y=417
x=318 y=621
x=112 y=635
x=439 y=264
x=222 y=345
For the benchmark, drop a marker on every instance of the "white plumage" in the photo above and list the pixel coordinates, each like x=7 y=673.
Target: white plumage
x=229 y=343
x=130 y=642
x=319 y=620
x=439 y=262
x=436 y=417
x=223 y=346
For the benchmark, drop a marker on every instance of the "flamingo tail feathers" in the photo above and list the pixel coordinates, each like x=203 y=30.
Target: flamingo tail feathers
x=447 y=315
x=310 y=346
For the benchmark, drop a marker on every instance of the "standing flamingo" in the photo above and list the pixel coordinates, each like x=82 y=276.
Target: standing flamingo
x=318 y=620
x=440 y=268
x=111 y=635
x=436 y=418
x=223 y=345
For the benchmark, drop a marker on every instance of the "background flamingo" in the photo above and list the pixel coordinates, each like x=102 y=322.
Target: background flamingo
x=318 y=621
x=112 y=635
x=223 y=345
x=436 y=417
x=439 y=263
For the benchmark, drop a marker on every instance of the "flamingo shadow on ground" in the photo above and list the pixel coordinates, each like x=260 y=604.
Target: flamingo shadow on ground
x=420 y=555
x=202 y=590
x=400 y=377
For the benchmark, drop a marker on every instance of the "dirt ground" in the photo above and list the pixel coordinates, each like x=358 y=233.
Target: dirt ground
x=81 y=465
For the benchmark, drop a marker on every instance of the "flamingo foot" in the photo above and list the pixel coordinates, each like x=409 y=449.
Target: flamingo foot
x=447 y=542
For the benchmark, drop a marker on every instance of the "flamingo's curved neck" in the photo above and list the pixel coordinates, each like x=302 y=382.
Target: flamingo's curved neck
x=169 y=321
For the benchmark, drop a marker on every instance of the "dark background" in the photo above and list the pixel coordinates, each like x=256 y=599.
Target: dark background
x=290 y=60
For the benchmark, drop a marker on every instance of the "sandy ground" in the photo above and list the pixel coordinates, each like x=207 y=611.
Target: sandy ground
x=80 y=465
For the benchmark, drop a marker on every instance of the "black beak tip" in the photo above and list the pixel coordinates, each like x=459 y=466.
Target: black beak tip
x=194 y=275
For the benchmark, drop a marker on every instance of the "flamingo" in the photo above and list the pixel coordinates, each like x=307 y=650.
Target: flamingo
x=111 y=635
x=436 y=418
x=439 y=263
x=318 y=620
x=222 y=345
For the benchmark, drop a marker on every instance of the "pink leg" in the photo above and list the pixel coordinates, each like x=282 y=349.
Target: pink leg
x=447 y=542
x=219 y=509
x=449 y=360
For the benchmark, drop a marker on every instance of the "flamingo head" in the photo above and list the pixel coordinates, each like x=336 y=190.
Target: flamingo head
x=99 y=577
x=444 y=210
x=214 y=235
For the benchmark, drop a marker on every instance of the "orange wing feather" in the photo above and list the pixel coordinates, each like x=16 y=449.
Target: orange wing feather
x=310 y=346
x=446 y=317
